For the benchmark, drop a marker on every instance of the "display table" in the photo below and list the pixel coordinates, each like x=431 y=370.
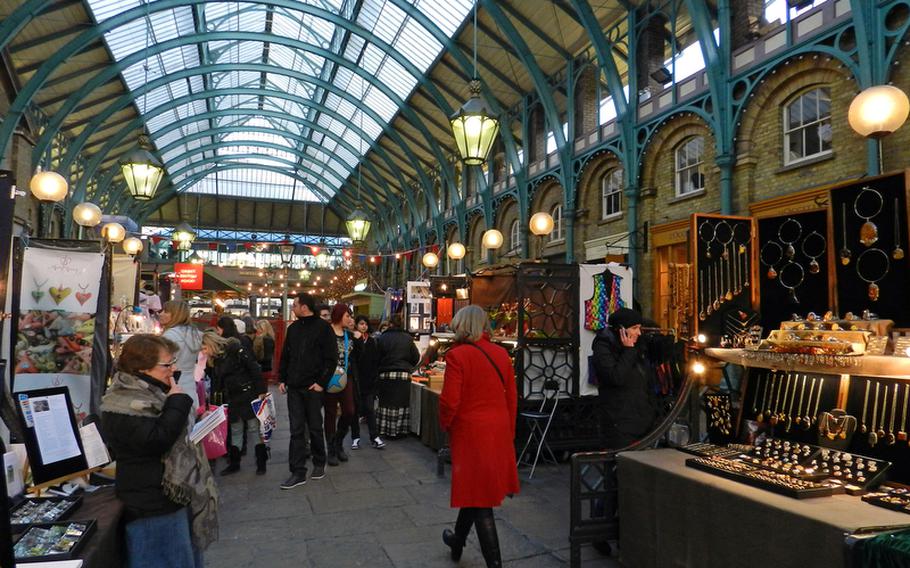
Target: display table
x=866 y=365
x=673 y=515
x=104 y=547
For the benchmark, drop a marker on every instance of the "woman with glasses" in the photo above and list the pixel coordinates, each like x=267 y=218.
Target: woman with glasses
x=162 y=478
x=236 y=381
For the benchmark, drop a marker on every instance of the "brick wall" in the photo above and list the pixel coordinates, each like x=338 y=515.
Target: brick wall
x=545 y=198
x=745 y=20
x=586 y=103
x=590 y=224
x=507 y=213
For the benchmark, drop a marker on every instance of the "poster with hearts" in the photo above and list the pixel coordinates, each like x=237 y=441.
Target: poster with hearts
x=55 y=334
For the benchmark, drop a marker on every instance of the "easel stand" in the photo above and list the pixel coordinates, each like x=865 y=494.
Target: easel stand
x=38 y=490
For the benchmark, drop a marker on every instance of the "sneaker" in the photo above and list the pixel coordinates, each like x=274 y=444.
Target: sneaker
x=293 y=481
x=377 y=443
x=355 y=444
x=318 y=471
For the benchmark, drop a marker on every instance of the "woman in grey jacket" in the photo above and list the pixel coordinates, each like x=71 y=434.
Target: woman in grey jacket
x=175 y=317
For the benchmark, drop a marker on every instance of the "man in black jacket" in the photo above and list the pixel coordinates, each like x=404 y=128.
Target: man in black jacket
x=623 y=381
x=308 y=361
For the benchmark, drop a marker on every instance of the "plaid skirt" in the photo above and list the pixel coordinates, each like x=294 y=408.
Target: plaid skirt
x=393 y=412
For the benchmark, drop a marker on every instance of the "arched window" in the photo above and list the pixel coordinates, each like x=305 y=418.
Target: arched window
x=690 y=156
x=611 y=194
x=807 y=126
x=559 y=232
x=515 y=237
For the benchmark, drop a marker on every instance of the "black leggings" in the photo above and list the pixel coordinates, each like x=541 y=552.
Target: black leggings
x=485 y=525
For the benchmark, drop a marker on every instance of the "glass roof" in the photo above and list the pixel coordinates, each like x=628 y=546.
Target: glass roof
x=299 y=112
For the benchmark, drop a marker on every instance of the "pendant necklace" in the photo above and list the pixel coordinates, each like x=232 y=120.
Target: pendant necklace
x=845 y=253
x=38 y=293
x=815 y=249
x=870 y=256
x=770 y=261
x=868 y=233
x=898 y=252
x=703 y=233
x=793 y=273
x=794 y=225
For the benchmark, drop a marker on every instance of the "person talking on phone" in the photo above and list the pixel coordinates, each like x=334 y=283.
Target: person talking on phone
x=628 y=412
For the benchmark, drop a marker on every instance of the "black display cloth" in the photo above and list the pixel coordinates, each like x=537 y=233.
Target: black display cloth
x=672 y=515
x=431 y=433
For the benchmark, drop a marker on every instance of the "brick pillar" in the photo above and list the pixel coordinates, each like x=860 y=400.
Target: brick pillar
x=746 y=20
x=538 y=131
x=651 y=52
x=586 y=103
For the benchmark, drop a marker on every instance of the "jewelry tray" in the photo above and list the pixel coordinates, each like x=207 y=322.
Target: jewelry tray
x=60 y=514
x=891 y=496
x=704 y=464
x=42 y=554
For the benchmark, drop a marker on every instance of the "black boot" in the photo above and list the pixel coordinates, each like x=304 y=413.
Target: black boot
x=233 y=461
x=456 y=540
x=331 y=457
x=339 y=448
x=485 y=525
x=262 y=456
x=452 y=542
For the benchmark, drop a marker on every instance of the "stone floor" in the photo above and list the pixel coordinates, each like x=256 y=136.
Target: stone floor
x=383 y=508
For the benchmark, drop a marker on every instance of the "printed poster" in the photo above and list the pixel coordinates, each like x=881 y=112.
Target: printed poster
x=58 y=302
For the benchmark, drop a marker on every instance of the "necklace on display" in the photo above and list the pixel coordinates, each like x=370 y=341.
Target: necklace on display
x=902 y=433
x=862 y=422
x=890 y=438
x=799 y=409
x=789 y=420
x=898 y=252
x=703 y=235
x=837 y=426
x=868 y=254
x=873 y=437
x=881 y=425
x=719 y=298
x=868 y=233
x=821 y=245
x=772 y=273
x=758 y=384
x=729 y=295
x=807 y=420
x=818 y=398
x=845 y=253
x=708 y=301
x=795 y=282
x=701 y=295
x=779 y=408
x=789 y=250
x=763 y=410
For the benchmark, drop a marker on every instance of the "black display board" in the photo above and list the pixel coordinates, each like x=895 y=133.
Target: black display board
x=848 y=204
x=898 y=452
x=41 y=472
x=807 y=233
x=723 y=252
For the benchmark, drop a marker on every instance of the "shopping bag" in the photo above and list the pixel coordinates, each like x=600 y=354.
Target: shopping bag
x=267 y=416
x=215 y=442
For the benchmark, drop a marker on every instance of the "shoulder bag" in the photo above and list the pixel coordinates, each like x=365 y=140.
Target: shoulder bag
x=340 y=379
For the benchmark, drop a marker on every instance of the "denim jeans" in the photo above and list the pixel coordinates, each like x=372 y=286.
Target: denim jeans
x=163 y=540
x=305 y=417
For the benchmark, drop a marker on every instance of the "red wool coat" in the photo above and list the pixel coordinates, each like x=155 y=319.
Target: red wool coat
x=479 y=415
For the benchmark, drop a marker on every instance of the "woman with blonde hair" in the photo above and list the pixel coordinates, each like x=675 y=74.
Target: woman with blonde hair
x=236 y=381
x=478 y=407
x=175 y=317
x=264 y=344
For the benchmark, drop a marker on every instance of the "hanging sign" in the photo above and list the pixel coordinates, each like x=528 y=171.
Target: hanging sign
x=189 y=276
x=58 y=302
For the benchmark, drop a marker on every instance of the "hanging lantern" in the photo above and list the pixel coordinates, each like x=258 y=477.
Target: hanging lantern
x=474 y=128
x=456 y=251
x=143 y=173
x=430 y=260
x=195 y=259
x=132 y=246
x=358 y=225
x=878 y=111
x=49 y=186
x=87 y=214
x=286 y=252
x=541 y=224
x=492 y=239
x=113 y=232
x=183 y=233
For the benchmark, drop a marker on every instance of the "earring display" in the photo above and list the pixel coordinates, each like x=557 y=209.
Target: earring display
x=55 y=541
x=719 y=410
x=871 y=266
x=867 y=205
x=43 y=510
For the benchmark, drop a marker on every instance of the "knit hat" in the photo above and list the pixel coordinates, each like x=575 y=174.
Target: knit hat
x=625 y=317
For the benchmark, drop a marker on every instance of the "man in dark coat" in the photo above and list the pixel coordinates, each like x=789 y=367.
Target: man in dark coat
x=308 y=361
x=628 y=412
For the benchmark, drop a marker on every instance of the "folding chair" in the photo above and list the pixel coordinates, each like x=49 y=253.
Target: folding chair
x=539 y=422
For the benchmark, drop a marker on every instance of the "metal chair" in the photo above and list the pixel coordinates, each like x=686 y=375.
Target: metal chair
x=539 y=422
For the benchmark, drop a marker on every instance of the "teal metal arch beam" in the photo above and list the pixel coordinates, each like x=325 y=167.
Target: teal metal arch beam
x=717 y=66
x=100 y=79
x=872 y=63
x=145 y=211
x=86 y=38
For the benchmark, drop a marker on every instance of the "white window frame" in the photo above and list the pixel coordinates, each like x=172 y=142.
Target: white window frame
x=611 y=185
x=686 y=166
x=802 y=129
x=558 y=234
x=515 y=237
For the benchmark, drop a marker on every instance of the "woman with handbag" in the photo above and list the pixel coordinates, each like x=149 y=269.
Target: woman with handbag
x=236 y=380
x=340 y=394
x=478 y=408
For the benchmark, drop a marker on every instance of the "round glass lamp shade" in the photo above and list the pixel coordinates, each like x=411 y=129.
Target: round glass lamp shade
x=456 y=251
x=878 y=111
x=430 y=260
x=87 y=214
x=474 y=127
x=492 y=239
x=286 y=252
x=142 y=172
x=49 y=186
x=132 y=245
x=183 y=233
x=113 y=232
x=541 y=224
x=358 y=225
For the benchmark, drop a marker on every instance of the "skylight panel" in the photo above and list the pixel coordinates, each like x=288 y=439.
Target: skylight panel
x=447 y=15
x=381 y=104
x=419 y=44
x=393 y=74
x=389 y=22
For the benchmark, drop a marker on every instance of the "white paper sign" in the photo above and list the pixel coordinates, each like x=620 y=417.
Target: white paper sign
x=53 y=430
x=95 y=451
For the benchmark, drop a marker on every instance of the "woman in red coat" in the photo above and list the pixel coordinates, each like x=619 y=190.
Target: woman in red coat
x=478 y=407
